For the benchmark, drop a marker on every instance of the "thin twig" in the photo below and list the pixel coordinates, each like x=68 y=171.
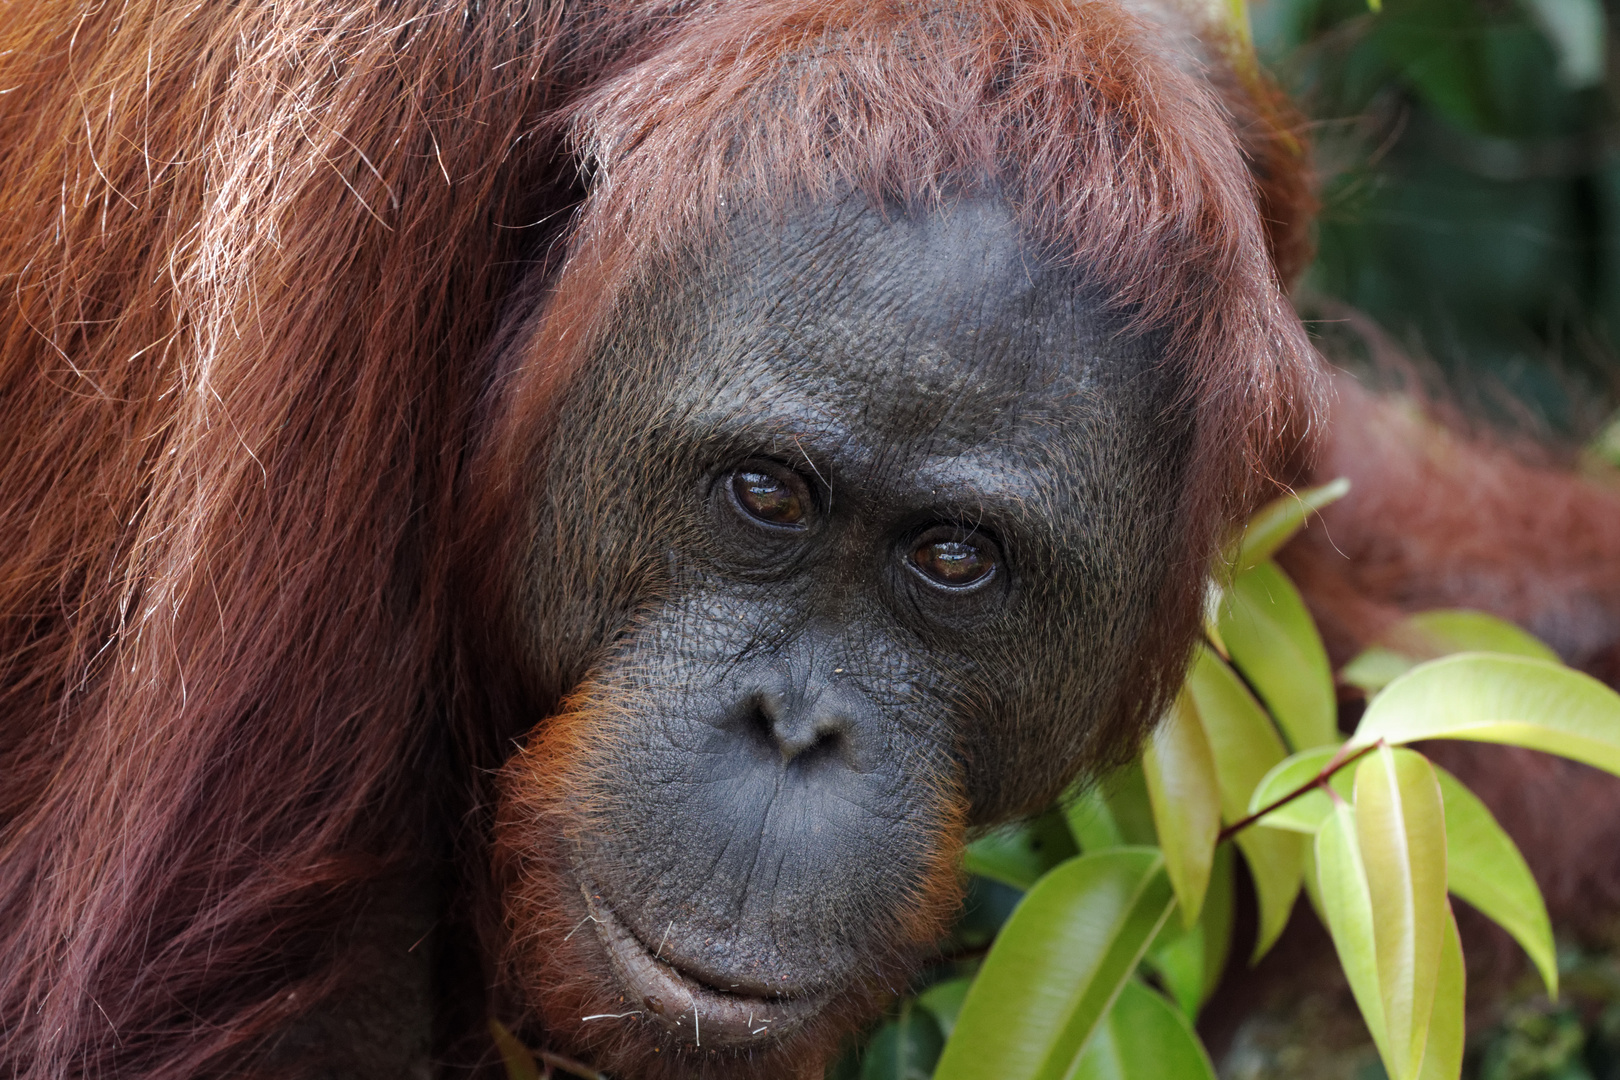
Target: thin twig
x=1335 y=763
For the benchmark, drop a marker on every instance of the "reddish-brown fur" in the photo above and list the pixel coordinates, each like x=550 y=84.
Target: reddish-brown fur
x=252 y=258
x=260 y=439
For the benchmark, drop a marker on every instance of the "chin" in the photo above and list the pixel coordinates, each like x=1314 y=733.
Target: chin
x=587 y=969
x=630 y=1007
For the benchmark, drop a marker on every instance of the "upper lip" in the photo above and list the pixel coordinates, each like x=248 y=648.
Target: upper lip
x=687 y=1006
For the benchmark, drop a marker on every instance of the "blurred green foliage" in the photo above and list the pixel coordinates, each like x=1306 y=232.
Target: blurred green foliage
x=1574 y=1038
x=1470 y=186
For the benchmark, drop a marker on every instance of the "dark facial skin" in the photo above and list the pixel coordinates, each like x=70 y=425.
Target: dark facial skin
x=844 y=541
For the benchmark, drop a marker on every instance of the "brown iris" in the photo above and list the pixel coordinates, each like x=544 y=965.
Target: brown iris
x=768 y=498
x=955 y=563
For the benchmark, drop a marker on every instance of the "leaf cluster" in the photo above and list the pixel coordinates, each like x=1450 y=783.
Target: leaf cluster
x=1126 y=915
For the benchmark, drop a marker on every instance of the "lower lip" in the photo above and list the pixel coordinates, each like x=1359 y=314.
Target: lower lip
x=700 y=1014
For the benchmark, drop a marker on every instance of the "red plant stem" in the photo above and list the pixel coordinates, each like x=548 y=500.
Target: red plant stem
x=1335 y=763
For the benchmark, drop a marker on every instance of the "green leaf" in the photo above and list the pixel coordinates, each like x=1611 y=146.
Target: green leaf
x=1313 y=887
x=1274 y=524
x=1114 y=812
x=1444 y=631
x=1347 y=910
x=1177 y=962
x=944 y=1001
x=1091 y=821
x=1245 y=745
x=1189 y=962
x=1502 y=699
x=1274 y=642
x=1220 y=911
x=1057 y=966
x=518 y=1059
x=1019 y=854
x=1401 y=829
x=1242 y=740
x=1125 y=790
x=1375 y=668
x=1143 y=1039
x=1443 y=1050
x=905 y=1048
x=1484 y=867
x=1213 y=596
x=1180 y=775
x=1429 y=635
x=1276 y=863
x=1306 y=813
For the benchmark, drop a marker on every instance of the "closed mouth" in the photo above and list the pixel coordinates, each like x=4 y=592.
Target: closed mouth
x=707 y=1016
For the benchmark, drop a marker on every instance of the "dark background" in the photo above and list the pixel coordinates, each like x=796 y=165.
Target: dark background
x=1470 y=182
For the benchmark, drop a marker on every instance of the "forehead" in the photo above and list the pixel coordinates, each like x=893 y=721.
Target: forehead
x=941 y=328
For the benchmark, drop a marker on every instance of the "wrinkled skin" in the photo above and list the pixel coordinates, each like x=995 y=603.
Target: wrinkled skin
x=783 y=725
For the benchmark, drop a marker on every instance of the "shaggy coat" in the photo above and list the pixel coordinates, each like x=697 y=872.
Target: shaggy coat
x=261 y=444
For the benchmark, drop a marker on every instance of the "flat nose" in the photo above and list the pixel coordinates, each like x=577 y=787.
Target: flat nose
x=800 y=723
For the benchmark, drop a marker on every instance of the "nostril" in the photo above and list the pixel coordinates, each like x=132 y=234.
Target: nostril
x=763 y=711
x=809 y=744
x=792 y=732
x=813 y=732
x=815 y=741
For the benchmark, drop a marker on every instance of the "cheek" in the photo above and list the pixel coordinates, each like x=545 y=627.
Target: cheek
x=554 y=967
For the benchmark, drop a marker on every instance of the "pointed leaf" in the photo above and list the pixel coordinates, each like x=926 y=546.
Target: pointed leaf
x=1313 y=885
x=1176 y=961
x=1143 y=1039
x=1020 y=853
x=1213 y=595
x=1242 y=740
x=1484 y=867
x=1347 y=911
x=1401 y=828
x=1091 y=822
x=1057 y=966
x=1375 y=668
x=1125 y=790
x=1444 y=631
x=1113 y=812
x=1429 y=635
x=1502 y=699
x=1245 y=745
x=1443 y=1051
x=1274 y=524
x=1180 y=774
x=905 y=1048
x=944 y=1001
x=517 y=1058
x=1189 y=963
x=1220 y=910
x=1276 y=863
x=1274 y=642
x=1305 y=813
